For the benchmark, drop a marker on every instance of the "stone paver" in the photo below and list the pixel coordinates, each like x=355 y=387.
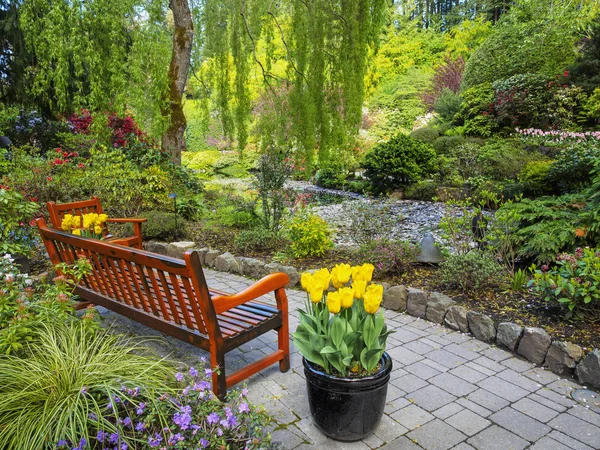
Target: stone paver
x=447 y=390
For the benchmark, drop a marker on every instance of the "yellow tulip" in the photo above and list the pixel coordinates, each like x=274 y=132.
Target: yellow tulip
x=335 y=278
x=305 y=280
x=359 y=287
x=103 y=218
x=334 y=302
x=323 y=276
x=97 y=229
x=366 y=272
x=373 y=297
x=315 y=291
x=346 y=297
x=344 y=271
x=76 y=232
x=87 y=221
x=76 y=222
x=66 y=222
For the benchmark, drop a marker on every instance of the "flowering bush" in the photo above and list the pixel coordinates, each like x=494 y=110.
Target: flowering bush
x=341 y=329
x=390 y=257
x=16 y=236
x=87 y=225
x=573 y=282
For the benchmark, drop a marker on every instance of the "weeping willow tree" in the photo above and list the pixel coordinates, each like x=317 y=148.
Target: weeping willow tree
x=313 y=105
x=98 y=54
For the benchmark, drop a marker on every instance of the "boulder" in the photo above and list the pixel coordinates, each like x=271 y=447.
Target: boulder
x=562 y=357
x=292 y=273
x=156 y=247
x=588 y=369
x=395 y=298
x=210 y=257
x=416 y=302
x=508 y=335
x=202 y=254
x=456 y=318
x=177 y=249
x=437 y=304
x=534 y=344
x=481 y=326
x=252 y=267
x=227 y=263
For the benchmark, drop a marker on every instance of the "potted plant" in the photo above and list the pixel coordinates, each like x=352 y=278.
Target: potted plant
x=342 y=337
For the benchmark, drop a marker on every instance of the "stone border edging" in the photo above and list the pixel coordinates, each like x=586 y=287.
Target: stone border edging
x=534 y=344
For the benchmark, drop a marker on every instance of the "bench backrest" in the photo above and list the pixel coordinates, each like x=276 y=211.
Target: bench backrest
x=57 y=211
x=171 y=289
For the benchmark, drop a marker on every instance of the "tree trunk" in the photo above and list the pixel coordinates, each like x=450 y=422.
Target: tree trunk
x=173 y=141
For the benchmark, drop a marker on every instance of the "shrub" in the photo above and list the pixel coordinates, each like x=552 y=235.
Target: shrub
x=389 y=257
x=534 y=177
x=475 y=112
x=160 y=225
x=369 y=221
x=423 y=190
x=400 y=161
x=503 y=159
x=572 y=170
x=331 y=178
x=466 y=156
x=447 y=104
x=447 y=78
x=474 y=270
x=309 y=234
x=445 y=144
x=572 y=282
x=16 y=235
x=273 y=171
x=256 y=240
x=425 y=134
x=202 y=162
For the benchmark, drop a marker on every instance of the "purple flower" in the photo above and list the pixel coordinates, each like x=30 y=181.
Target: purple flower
x=244 y=408
x=124 y=446
x=212 y=418
x=208 y=372
x=140 y=409
x=219 y=432
x=101 y=436
x=224 y=423
x=61 y=443
x=154 y=441
x=174 y=439
x=179 y=376
x=204 y=443
x=83 y=390
x=203 y=386
x=92 y=416
x=195 y=429
x=82 y=444
x=233 y=422
x=193 y=372
x=113 y=438
x=184 y=417
x=127 y=422
x=245 y=392
x=140 y=426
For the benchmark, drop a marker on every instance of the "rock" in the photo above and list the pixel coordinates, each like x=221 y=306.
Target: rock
x=202 y=254
x=437 y=304
x=156 y=247
x=508 y=335
x=252 y=267
x=481 y=326
x=177 y=249
x=534 y=344
x=273 y=268
x=210 y=257
x=562 y=357
x=456 y=318
x=588 y=369
x=416 y=302
x=227 y=263
x=292 y=273
x=395 y=298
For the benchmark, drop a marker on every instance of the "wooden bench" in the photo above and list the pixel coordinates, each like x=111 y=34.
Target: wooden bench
x=58 y=210
x=171 y=296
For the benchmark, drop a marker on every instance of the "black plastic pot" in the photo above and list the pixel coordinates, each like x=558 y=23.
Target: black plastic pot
x=347 y=409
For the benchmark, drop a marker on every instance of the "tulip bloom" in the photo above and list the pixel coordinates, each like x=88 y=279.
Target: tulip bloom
x=323 y=276
x=346 y=297
x=305 y=280
x=373 y=297
x=335 y=279
x=334 y=302
x=344 y=271
x=359 y=287
x=315 y=291
x=364 y=272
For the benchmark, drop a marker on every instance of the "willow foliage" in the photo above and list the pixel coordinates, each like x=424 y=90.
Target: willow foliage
x=316 y=100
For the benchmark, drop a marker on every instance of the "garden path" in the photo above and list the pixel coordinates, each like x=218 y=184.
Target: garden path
x=447 y=390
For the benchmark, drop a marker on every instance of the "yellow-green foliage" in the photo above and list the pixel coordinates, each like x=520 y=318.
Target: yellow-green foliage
x=202 y=162
x=309 y=234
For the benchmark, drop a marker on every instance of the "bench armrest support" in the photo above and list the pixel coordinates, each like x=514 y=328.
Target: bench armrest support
x=270 y=283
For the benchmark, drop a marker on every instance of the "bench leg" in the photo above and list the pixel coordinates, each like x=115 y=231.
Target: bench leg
x=283 y=333
x=217 y=361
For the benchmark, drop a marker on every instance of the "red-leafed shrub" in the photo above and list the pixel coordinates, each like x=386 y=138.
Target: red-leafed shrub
x=447 y=77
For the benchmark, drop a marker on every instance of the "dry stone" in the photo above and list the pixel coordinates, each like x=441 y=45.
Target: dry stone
x=177 y=249
x=395 y=298
x=456 y=318
x=202 y=254
x=481 y=326
x=534 y=344
x=437 y=304
x=210 y=257
x=416 y=302
x=227 y=263
x=156 y=247
x=508 y=335
x=562 y=357
x=252 y=267
x=292 y=273
x=588 y=369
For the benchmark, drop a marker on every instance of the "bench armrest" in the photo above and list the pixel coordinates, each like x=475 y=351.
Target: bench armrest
x=270 y=283
x=125 y=220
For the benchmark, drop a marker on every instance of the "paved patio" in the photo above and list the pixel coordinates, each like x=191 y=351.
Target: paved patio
x=447 y=391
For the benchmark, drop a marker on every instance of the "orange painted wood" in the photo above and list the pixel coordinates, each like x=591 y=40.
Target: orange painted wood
x=171 y=296
x=57 y=212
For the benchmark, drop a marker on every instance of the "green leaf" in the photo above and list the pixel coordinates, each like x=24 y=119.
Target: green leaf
x=369 y=331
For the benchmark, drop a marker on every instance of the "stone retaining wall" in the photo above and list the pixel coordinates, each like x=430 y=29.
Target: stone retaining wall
x=533 y=344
